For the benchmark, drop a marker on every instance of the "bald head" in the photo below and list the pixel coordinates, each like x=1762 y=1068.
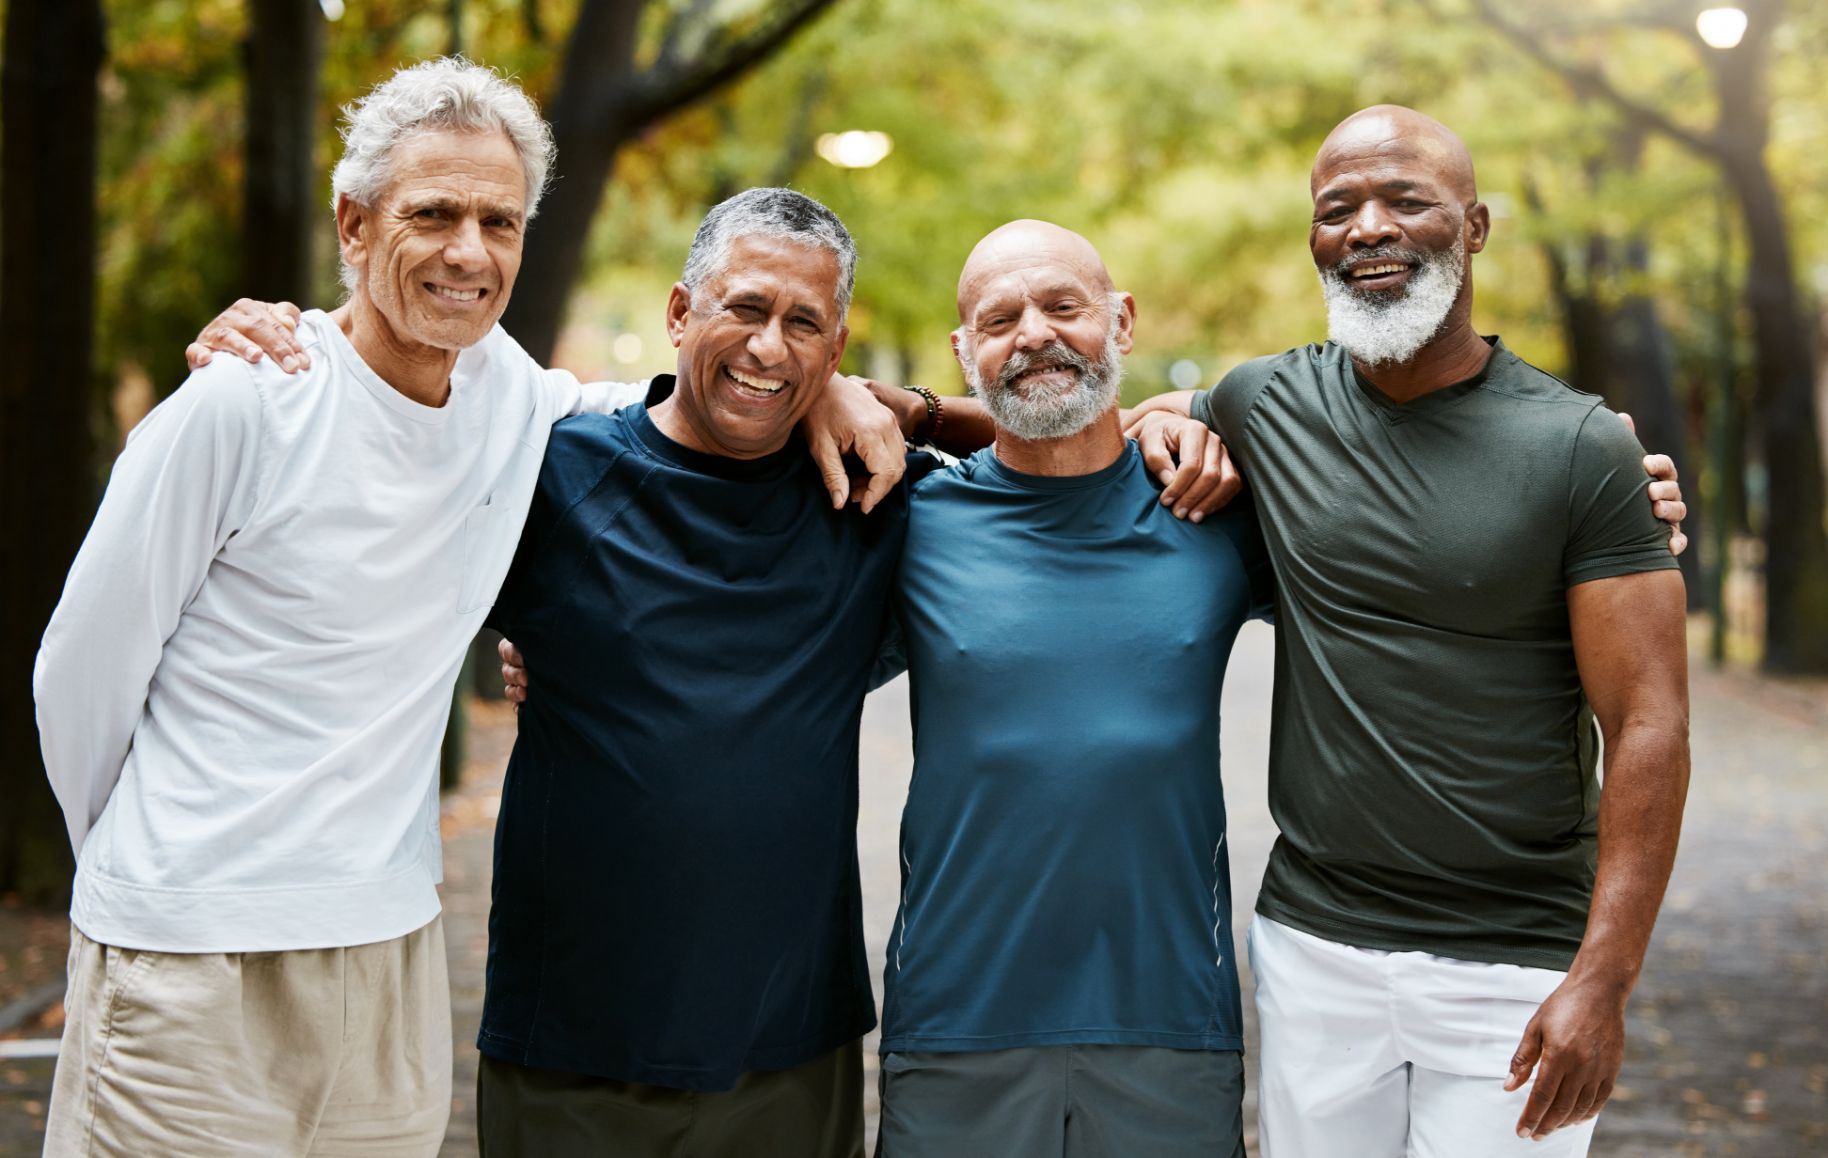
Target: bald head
x=1042 y=333
x=1037 y=247
x=1399 y=134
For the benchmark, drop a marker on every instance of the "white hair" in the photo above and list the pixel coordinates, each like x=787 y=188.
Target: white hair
x=1056 y=414
x=778 y=213
x=448 y=94
x=1383 y=329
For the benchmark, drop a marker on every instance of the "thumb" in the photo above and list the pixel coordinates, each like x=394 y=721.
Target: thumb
x=1524 y=1060
x=1627 y=420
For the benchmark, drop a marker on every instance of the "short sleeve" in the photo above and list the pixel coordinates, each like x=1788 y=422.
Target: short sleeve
x=1611 y=529
x=1223 y=408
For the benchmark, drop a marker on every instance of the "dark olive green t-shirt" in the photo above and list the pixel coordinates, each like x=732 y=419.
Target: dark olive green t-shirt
x=1432 y=760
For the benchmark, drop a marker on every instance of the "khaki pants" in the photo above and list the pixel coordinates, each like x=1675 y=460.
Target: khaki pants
x=306 y=1052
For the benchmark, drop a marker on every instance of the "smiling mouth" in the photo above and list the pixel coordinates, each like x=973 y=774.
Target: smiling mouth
x=751 y=386
x=453 y=294
x=1381 y=269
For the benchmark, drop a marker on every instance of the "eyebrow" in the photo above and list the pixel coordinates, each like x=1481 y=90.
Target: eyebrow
x=1045 y=295
x=766 y=300
x=1387 y=185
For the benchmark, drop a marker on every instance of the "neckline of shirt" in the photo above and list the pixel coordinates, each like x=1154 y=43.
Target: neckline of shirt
x=377 y=386
x=1394 y=412
x=1055 y=483
x=766 y=468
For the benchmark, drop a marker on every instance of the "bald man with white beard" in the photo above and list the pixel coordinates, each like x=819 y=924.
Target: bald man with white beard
x=1469 y=581
x=1060 y=981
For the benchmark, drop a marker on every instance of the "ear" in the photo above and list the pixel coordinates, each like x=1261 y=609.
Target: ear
x=350 y=217
x=837 y=350
x=1126 y=324
x=678 y=305
x=1478 y=227
x=958 y=352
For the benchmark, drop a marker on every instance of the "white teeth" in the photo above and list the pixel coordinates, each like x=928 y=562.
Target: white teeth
x=456 y=295
x=762 y=385
x=1378 y=270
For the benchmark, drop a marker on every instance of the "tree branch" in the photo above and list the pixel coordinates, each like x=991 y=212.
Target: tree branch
x=670 y=85
x=1593 y=83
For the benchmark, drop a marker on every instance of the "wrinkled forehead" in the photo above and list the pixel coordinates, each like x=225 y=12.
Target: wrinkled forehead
x=484 y=164
x=1382 y=150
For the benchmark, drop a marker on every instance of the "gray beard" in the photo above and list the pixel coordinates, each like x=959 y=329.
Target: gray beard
x=1383 y=329
x=1045 y=412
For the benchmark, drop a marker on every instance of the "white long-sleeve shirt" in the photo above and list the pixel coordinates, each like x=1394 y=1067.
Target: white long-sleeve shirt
x=242 y=692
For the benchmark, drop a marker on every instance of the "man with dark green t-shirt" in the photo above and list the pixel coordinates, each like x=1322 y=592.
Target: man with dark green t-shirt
x=1469 y=580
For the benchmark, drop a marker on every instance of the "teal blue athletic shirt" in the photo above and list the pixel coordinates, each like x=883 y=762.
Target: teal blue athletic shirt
x=1064 y=868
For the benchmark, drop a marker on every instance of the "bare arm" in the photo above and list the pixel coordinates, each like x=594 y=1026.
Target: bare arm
x=965 y=427
x=1629 y=644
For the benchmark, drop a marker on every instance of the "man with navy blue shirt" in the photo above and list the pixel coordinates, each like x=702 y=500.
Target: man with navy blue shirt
x=1060 y=980
x=676 y=962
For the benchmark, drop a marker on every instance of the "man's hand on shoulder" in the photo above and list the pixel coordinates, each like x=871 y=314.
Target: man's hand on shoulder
x=1188 y=459
x=1665 y=494
x=252 y=329
x=848 y=418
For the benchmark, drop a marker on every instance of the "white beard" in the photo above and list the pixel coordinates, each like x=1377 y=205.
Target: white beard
x=1049 y=413
x=1382 y=329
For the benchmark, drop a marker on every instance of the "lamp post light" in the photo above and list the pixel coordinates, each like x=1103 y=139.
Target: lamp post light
x=855 y=148
x=1721 y=29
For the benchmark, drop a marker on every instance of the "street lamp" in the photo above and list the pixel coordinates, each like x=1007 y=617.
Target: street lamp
x=855 y=148
x=1721 y=27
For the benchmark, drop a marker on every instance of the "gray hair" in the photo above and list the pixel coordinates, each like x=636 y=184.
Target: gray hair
x=779 y=213
x=448 y=94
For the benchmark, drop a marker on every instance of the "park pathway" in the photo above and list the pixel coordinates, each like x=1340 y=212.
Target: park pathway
x=1728 y=1049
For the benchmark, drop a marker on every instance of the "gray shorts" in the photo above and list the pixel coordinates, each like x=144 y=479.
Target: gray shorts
x=1065 y=1101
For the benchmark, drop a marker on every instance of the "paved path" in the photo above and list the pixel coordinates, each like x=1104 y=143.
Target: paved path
x=1729 y=1030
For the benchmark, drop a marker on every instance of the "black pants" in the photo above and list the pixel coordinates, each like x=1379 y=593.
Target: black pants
x=811 y=1111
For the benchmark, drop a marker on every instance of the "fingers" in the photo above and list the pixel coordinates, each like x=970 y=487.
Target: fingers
x=1660 y=466
x=1524 y=1060
x=1670 y=510
x=830 y=461
x=1569 y=1091
x=1219 y=482
x=250 y=329
x=289 y=312
x=1190 y=447
x=510 y=655
x=1678 y=542
x=1591 y=1102
x=886 y=459
x=196 y=355
x=1543 y=1093
x=1629 y=423
x=1152 y=440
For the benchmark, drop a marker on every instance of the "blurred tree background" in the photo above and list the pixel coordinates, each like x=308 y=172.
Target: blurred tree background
x=1661 y=205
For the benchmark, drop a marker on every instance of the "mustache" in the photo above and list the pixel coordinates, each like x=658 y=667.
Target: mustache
x=1054 y=353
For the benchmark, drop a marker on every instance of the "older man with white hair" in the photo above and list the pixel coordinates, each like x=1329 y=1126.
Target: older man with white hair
x=242 y=691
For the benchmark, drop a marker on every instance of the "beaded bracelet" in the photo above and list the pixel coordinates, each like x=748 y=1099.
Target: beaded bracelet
x=936 y=414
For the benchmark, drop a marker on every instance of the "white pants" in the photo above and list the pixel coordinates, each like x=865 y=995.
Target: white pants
x=1373 y=1054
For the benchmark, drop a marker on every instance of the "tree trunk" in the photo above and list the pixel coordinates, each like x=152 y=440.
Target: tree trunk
x=280 y=210
x=54 y=50
x=1796 y=539
x=588 y=132
x=1796 y=544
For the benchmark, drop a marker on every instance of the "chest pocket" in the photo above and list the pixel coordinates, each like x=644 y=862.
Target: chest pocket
x=490 y=534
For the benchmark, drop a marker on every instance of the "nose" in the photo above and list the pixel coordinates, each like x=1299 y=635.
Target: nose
x=463 y=249
x=1033 y=330
x=768 y=345
x=1371 y=226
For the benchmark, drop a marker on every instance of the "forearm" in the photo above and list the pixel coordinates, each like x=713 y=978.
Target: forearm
x=966 y=427
x=1640 y=823
x=1178 y=402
